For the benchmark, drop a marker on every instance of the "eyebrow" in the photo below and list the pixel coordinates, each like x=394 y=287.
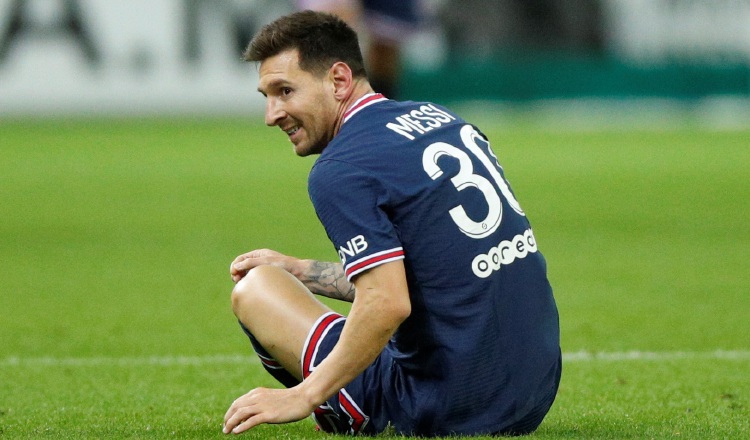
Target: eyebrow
x=274 y=84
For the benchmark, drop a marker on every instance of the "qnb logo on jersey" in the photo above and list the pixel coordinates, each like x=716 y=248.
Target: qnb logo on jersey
x=353 y=247
x=506 y=252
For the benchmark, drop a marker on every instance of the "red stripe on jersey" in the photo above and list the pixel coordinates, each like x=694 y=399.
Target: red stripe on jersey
x=316 y=334
x=362 y=103
x=372 y=261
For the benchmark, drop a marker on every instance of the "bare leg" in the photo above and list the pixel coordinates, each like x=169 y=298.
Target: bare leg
x=279 y=311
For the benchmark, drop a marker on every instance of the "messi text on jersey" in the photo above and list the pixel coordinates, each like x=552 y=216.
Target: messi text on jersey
x=420 y=121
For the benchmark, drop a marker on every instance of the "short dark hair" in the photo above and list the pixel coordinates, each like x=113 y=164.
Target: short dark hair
x=321 y=39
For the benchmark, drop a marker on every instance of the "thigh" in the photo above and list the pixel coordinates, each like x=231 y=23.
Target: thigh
x=279 y=311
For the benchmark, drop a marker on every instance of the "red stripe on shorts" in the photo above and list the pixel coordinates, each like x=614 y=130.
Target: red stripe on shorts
x=314 y=339
x=358 y=418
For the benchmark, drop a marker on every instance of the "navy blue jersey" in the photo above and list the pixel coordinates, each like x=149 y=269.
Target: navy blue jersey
x=413 y=181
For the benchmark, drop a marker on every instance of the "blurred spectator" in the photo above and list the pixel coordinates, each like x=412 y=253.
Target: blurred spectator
x=384 y=25
x=533 y=24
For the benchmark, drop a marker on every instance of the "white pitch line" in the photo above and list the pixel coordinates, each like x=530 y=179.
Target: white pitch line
x=236 y=359
x=161 y=361
x=621 y=356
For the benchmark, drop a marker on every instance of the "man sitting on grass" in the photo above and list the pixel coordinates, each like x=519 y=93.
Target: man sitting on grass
x=453 y=327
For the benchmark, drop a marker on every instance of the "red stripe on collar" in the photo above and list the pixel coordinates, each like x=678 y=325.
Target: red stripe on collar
x=363 y=102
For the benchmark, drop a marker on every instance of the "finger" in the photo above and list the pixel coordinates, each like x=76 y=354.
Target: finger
x=230 y=412
x=238 y=269
x=249 y=423
x=238 y=266
x=241 y=402
x=232 y=418
x=244 y=266
x=249 y=255
x=240 y=258
x=232 y=269
x=235 y=271
x=242 y=420
x=238 y=403
x=243 y=263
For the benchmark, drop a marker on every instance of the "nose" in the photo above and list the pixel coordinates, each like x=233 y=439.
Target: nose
x=274 y=112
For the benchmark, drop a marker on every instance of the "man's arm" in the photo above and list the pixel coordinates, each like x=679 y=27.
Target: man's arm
x=321 y=278
x=327 y=279
x=381 y=305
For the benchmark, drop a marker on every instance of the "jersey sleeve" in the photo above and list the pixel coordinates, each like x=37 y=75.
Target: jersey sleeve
x=353 y=207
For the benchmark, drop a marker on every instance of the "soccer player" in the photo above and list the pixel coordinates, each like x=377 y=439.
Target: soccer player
x=453 y=328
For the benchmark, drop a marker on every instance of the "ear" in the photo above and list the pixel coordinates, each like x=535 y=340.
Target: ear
x=341 y=78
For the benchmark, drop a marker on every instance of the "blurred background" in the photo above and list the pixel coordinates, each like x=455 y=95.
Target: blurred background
x=134 y=166
x=146 y=57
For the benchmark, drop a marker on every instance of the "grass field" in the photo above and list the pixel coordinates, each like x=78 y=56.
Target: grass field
x=116 y=236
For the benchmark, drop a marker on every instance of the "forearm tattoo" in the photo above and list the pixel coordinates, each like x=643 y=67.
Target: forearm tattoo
x=329 y=280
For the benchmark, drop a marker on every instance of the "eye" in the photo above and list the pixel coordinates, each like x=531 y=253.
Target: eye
x=286 y=91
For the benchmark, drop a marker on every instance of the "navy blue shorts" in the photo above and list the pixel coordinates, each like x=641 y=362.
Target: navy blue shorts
x=385 y=394
x=358 y=408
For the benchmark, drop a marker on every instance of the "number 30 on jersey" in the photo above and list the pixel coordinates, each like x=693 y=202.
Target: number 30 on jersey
x=466 y=178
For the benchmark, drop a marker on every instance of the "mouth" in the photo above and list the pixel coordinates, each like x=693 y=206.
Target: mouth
x=290 y=132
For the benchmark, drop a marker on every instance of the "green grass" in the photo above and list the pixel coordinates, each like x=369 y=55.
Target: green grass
x=116 y=236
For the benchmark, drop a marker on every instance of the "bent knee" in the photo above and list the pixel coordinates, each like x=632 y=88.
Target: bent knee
x=253 y=287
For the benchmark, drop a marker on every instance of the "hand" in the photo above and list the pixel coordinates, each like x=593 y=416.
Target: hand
x=242 y=264
x=265 y=405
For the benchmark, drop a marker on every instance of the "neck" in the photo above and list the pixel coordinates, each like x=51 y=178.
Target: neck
x=360 y=89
